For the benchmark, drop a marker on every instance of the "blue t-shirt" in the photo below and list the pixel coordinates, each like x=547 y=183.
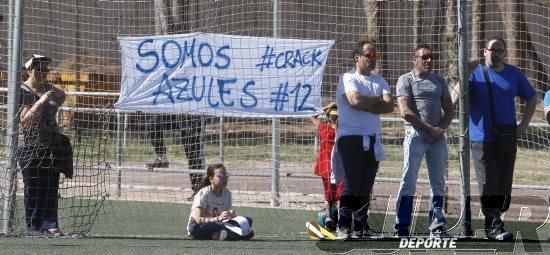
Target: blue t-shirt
x=547 y=100
x=506 y=85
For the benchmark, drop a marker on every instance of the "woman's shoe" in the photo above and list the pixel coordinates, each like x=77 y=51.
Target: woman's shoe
x=34 y=233
x=54 y=232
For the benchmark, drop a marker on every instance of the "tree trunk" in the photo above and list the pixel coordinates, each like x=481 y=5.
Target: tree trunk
x=417 y=22
x=161 y=17
x=372 y=12
x=450 y=41
x=520 y=50
x=438 y=34
x=510 y=17
x=478 y=29
x=179 y=16
x=375 y=31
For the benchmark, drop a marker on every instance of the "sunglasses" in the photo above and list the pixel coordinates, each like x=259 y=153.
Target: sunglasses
x=373 y=56
x=498 y=51
x=426 y=57
x=222 y=176
x=42 y=70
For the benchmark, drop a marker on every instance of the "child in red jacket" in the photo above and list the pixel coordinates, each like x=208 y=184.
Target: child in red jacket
x=323 y=168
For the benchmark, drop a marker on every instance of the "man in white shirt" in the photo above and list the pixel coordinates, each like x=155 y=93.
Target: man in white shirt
x=361 y=97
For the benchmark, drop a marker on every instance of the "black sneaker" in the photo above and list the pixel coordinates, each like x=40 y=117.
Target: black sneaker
x=329 y=224
x=157 y=163
x=34 y=233
x=356 y=234
x=357 y=230
x=402 y=233
x=440 y=233
x=370 y=233
x=466 y=231
x=497 y=232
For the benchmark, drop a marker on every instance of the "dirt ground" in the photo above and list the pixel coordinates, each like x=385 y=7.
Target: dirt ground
x=253 y=189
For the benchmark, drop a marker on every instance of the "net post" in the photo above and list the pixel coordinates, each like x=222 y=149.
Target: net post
x=276 y=164
x=464 y=150
x=221 y=137
x=119 y=150
x=275 y=128
x=14 y=79
x=124 y=133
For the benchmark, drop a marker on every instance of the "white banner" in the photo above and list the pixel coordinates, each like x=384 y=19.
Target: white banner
x=225 y=75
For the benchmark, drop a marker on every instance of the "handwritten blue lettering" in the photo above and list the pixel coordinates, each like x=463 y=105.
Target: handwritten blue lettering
x=160 y=91
x=164 y=60
x=297 y=59
x=212 y=104
x=224 y=56
x=283 y=64
x=316 y=54
x=266 y=58
x=305 y=58
x=147 y=54
x=289 y=58
x=193 y=90
x=209 y=55
x=223 y=91
x=176 y=54
x=280 y=97
x=182 y=89
x=188 y=51
x=248 y=93
x=296 y=92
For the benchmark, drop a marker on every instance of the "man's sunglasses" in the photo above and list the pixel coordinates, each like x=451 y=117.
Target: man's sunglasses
x=426 y=57
x=498 y=51
x=373 y=56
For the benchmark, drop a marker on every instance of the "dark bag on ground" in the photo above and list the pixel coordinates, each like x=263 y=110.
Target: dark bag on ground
x=62 y=155
x=505 y=139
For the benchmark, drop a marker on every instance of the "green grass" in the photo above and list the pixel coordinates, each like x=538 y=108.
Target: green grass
x=531 y=164
x=125 y=227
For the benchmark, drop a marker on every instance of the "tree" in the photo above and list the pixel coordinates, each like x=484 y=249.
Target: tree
x=417 y=22
x=520 y=48
x=478 y=29
x=375 y=29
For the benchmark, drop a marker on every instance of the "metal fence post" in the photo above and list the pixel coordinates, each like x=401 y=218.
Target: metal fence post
x=14 y=79
x=275 y=128
x=464 y=150
x=119 y=151
x=221 y=137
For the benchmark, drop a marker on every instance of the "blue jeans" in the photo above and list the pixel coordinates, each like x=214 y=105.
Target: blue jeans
x=205 y=231
x=415 y=148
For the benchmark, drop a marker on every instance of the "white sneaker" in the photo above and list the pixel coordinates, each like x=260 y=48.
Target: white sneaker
x=342 y=234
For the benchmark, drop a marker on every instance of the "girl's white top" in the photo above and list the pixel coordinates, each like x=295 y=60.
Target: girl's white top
x=212 y=204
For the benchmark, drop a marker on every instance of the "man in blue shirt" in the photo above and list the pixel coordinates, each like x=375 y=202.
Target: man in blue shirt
x=547 y=106
x=495 y=167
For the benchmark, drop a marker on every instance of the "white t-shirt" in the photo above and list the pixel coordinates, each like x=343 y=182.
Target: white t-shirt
x=350 y=120
x=212 y=204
